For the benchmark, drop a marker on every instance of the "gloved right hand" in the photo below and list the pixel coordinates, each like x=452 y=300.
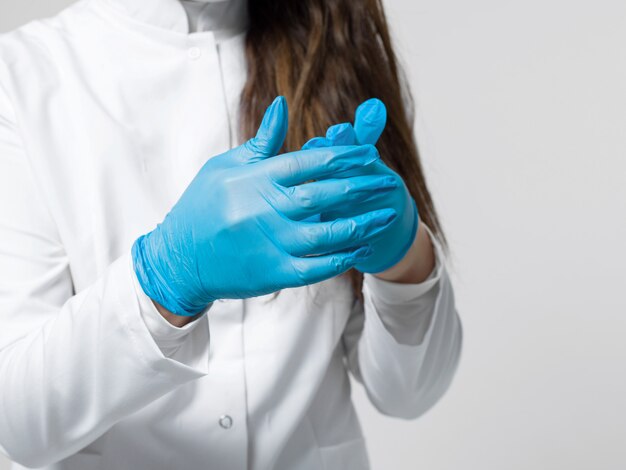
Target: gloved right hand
x=238 y=230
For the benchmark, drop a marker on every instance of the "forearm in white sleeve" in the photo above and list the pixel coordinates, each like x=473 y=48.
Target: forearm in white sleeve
x=403 y=342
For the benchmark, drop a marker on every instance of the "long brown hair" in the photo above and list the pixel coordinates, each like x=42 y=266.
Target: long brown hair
x=326 y=57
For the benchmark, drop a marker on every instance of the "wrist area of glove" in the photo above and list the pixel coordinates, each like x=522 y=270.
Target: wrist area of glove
x=154 y=277
x=413 y=222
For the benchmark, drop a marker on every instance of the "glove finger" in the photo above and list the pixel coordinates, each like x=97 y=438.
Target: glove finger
x=341 y=134
x=369 y=121
x=314 y=269
x=314 y=164
x=335 y=194
x=316 y=143
x=340 y=234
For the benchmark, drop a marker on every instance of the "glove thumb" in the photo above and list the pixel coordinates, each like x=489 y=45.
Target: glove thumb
x=271 y=134
x=369 y=121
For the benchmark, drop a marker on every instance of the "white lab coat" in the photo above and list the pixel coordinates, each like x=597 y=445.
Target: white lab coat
x=107 y=111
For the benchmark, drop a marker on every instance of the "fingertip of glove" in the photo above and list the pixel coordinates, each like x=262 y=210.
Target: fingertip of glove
x=338 y=131
x=371 y=110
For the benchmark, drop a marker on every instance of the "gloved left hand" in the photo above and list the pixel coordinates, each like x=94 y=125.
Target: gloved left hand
x=390 y=245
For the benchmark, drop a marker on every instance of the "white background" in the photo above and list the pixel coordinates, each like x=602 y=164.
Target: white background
x=522 y=126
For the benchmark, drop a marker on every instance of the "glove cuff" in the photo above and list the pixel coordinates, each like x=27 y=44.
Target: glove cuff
x=401 y=254
x=155 y=285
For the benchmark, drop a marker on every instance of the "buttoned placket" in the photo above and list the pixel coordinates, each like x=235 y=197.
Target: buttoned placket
x=227 y=408
x=228 y=435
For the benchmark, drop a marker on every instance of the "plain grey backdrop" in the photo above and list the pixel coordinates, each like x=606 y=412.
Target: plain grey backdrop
x=522 y=127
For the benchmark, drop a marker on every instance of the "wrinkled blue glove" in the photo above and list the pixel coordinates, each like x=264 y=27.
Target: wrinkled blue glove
x=239 y=229
x=391 y=244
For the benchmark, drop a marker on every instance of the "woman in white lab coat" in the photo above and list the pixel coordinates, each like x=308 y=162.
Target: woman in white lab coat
x=109 y=111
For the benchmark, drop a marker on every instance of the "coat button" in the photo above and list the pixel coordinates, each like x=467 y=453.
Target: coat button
x=194 y=53
x=226 y=421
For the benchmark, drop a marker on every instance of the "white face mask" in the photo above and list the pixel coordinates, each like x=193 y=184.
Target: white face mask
x=216 y=15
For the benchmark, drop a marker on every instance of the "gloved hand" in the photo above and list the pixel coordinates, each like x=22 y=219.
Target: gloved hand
x=390 y=244
x=238 y=230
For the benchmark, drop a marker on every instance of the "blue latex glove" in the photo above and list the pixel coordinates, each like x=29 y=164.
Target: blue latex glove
x=391 y=244
x=238 y=230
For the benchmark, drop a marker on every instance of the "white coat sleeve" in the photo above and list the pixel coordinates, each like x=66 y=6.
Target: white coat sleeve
x=403 y=341
x=71 y=366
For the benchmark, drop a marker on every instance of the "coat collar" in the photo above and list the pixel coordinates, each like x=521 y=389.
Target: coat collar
x=224 y=18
